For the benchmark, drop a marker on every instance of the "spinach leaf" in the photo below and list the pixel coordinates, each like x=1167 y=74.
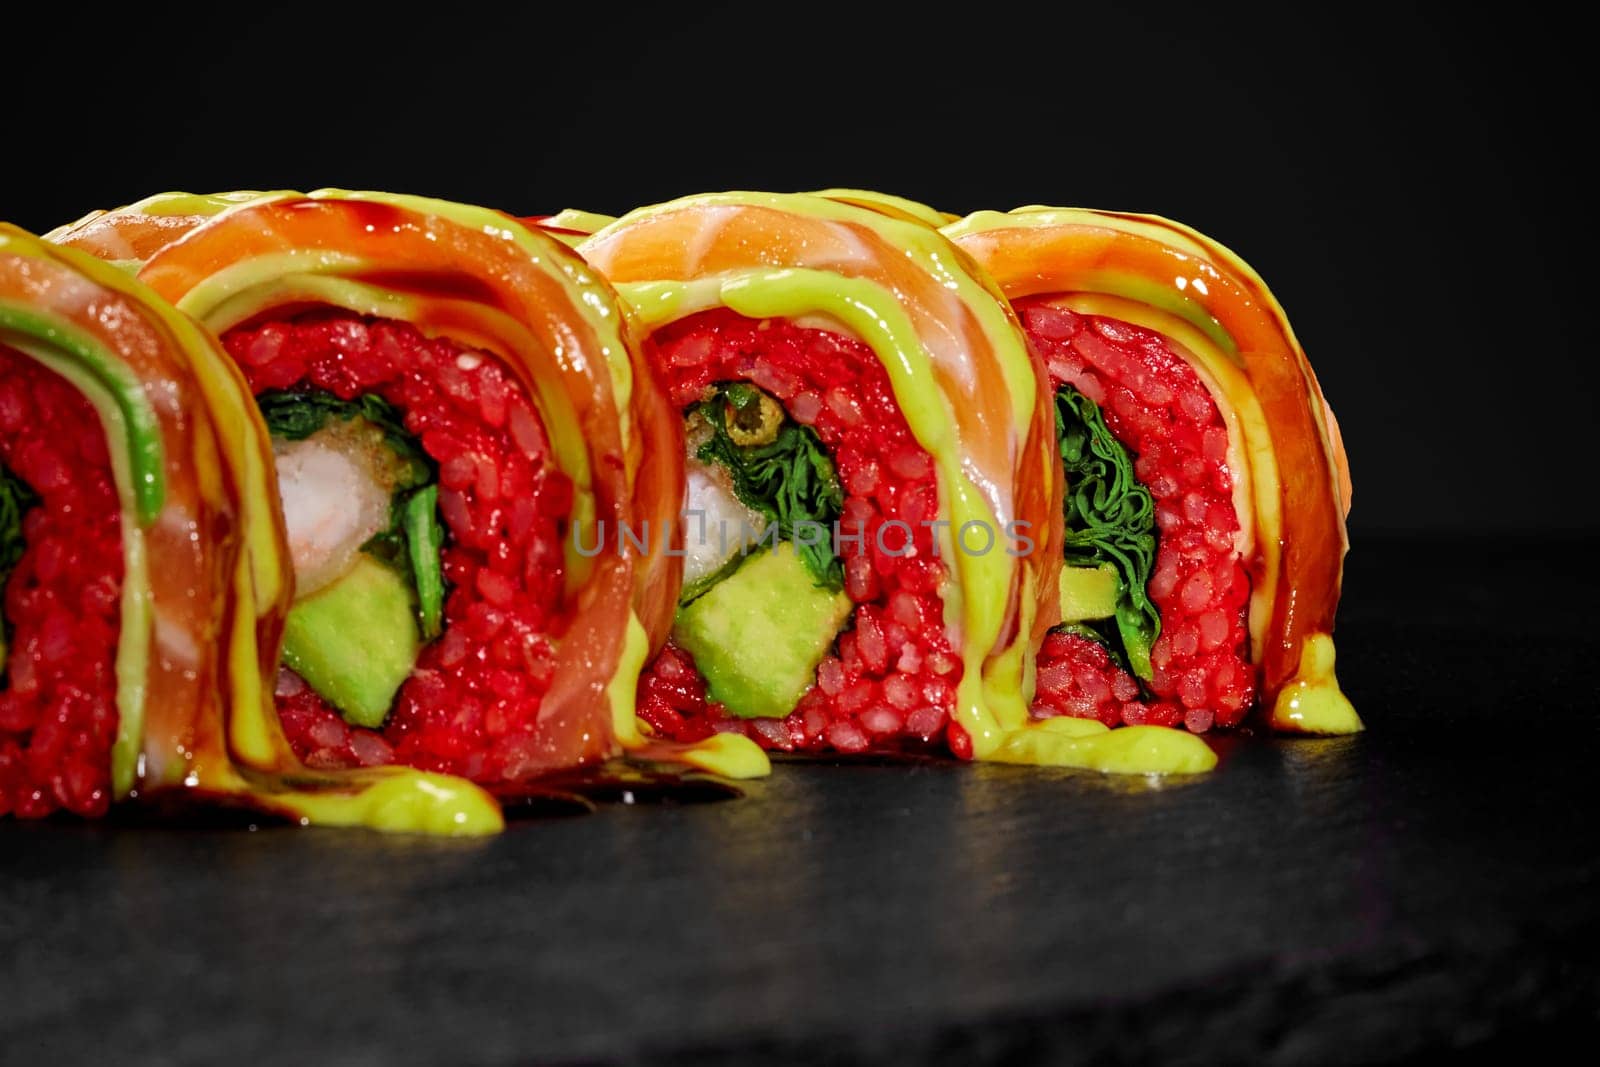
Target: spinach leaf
x=414 y=539
x=424 y=535
x=15 y=500
x=790 y=480
x=295 y=414
x=1110 y=518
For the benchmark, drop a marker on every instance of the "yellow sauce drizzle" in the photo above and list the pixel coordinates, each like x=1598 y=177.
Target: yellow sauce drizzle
x=582 y=222
x=398 y=800
x=888 y=204
x=730 y=755
x=1311 y=702
x=205 y=204
x=1067 y=742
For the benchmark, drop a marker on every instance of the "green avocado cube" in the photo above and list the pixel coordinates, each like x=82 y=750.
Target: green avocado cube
x=758 y=634
x=355 y=641
x=1088 y=593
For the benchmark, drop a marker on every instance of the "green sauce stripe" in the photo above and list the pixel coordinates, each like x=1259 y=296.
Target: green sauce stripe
x=142 y=430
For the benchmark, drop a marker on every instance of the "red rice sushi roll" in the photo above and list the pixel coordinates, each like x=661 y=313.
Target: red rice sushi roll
x=1207 y=483
x=453 y=401
x=143 y=569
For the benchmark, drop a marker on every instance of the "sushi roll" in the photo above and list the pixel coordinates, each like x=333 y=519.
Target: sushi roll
x=871 y=494
x=143 y=571
x=1207 y=486
x=453 y=405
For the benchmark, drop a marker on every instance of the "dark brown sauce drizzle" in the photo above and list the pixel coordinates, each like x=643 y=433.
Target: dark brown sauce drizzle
x=877 y=757
x=584 y=789
x=434 y=283
x=194 y=809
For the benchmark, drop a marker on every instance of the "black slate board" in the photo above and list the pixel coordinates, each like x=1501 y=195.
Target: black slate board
x=1430 y=884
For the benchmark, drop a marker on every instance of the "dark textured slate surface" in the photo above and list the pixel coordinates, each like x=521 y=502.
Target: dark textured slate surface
x=1430 y=884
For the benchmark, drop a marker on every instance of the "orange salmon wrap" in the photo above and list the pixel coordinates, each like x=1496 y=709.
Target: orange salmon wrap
x=127 y=236
x=1190 y=362
x=841 y=364
x=513 y=372
x=144 y=570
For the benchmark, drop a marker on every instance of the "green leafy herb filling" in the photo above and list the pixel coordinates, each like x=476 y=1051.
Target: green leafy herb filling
x=415 y=536
x=1110 y=519
x=790 y=480
x=15 y=500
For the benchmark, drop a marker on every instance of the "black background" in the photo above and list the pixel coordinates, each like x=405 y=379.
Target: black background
x=1405 y=182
